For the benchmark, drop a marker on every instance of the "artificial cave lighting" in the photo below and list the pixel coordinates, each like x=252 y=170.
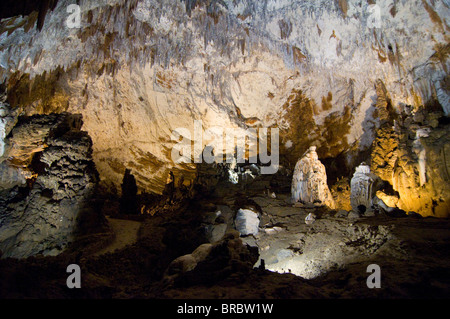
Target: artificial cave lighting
x=224 y=149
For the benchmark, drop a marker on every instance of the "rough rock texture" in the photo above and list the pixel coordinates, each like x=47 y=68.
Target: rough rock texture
x=309 y=183
x=341 y=191
x=310 y=250
x=247 y=222
x=41 y=218
x=422 y=184
x=138 y=69
x=210 y=263
x=362 y=190
x=333 y=252
x=8 y=119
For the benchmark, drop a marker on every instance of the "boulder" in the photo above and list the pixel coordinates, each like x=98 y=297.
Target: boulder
x=217 y=232
x=341 y=214
x=210 y=263
x=310 y=219
x=247 y=222
x=353 y=215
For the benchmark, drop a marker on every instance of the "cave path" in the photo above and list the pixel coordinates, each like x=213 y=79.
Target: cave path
x=126 y=233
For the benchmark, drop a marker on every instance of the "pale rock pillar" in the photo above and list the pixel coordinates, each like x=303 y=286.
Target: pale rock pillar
x=309 y=183
x=419 y=149
x=361 y=187
x=8 y=118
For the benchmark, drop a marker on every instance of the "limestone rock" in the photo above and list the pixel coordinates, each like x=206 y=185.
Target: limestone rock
x=361 y=188
x=310 y=219
x=8 y=119
x=420 y=151
x=211 y=262
x=341 y=192
x=217 y=232
x=388 y=200
x=309 y=183
x=353 y=215
x=42 y=218
x=247 y=222
x=341 y=214
x=228 y=66
x=415 y=161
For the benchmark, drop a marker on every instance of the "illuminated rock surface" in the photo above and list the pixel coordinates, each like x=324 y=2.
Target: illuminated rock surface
x=136 y=70
x=247 y=222
x=422 y=183
x=362 y=188
x=334 y=74
x=309 y=183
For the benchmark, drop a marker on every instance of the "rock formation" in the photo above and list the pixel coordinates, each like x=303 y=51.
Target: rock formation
x=128 y=199
x=42 y=217
x=247 y=222
x=138 y=69
x=420 y=152
x=414 y=160
x=362 y=188
x=212 y=262
x=8 y=118
x=309 y=183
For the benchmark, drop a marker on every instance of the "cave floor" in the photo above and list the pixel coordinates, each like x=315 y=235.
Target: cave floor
x=327 y=259
x=125 y=233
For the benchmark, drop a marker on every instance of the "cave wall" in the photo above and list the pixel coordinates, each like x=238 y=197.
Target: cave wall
x=40 y=213
x=136 y=70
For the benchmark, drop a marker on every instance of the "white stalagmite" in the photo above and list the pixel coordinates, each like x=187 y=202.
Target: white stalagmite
x=420 y=151
x=309 y=183
x=8 y=119
x=361 y=187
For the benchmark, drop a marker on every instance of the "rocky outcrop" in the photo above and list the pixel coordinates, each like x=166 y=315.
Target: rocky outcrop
x=309 y=183
x=413 y=159
x=212 y=262
x=42 y=217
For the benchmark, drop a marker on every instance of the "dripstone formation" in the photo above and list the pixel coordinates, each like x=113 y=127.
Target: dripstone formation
x=361 y=188
x=309 y=183
x=41 y=217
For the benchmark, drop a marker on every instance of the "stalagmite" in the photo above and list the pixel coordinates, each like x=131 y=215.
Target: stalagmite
x=309 y=183
x=419 y=149
x=8 y=119
x=361 y=188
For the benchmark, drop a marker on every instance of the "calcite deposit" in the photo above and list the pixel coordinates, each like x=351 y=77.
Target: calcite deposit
x=362 y=81
x=362 y=190
x=309 y=183
x=136 y=70
x=42 y=216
